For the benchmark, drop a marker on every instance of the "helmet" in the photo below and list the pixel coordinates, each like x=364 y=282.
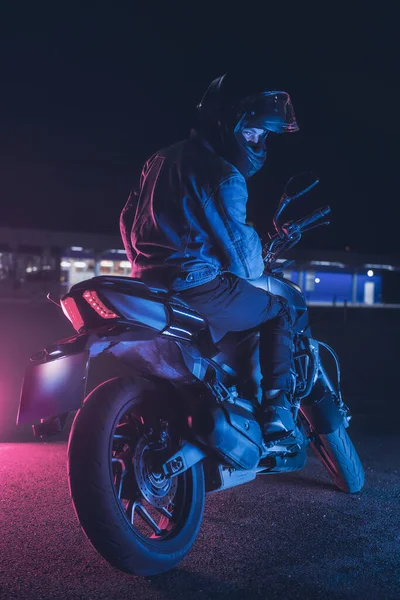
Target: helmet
x=233 y=102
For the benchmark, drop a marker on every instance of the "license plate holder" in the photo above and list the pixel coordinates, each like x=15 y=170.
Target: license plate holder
x=53 y=388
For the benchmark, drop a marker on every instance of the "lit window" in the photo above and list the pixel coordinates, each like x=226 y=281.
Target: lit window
x=310 y=281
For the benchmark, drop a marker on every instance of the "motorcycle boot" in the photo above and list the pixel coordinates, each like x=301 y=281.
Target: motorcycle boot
x=276 y=415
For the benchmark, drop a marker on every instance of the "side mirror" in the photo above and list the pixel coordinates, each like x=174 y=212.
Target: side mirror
x=293 y=186
x=299 y=185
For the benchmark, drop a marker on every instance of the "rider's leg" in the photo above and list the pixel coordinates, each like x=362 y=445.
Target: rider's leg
x=242 y=352
x=276 y=360
x=231 y=304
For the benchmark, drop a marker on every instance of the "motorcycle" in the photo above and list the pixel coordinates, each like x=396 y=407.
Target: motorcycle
x=145 y=449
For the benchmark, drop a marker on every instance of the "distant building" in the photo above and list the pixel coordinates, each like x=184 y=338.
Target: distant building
x=326 y=277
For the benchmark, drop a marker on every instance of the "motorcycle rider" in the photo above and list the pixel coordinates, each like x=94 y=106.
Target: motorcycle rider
x=186 y=228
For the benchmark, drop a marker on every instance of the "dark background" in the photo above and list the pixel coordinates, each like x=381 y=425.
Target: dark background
x=87 y=94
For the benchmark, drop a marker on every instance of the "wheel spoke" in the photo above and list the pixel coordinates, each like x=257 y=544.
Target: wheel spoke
x=129 y=508
x=131 y=511
x=119 y=478
x=147 y=518
x=165 y=512
x=125 y=438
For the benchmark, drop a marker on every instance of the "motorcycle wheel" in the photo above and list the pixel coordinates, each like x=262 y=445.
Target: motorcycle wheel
x=139 y=520
x=338 y=455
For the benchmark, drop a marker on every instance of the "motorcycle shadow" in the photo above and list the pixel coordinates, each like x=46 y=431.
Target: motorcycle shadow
x=190 y=584
x=302 y=480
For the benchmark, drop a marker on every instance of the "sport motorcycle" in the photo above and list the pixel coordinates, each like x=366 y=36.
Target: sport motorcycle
x=145 y=448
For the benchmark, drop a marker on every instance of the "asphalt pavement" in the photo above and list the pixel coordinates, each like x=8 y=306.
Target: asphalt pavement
x=290 y=536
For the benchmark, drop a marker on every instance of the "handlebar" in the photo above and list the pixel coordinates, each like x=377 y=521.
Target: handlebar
x=318 y=214
x=290 y=233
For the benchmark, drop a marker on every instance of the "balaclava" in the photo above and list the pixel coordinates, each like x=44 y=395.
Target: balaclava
x=232 y=103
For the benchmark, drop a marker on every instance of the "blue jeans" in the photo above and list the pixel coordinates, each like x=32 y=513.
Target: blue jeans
x=255 y=323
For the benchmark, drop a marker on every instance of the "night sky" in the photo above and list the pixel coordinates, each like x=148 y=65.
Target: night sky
x=87 y=95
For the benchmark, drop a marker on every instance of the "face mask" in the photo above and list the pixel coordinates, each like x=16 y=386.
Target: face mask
x=249 y=157
x=246 y=156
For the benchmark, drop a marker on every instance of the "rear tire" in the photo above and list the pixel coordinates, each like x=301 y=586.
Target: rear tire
x=101 y=507
x=338 y=455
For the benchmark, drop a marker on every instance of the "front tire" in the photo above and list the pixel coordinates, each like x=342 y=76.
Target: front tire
x=138 y=520
x=336 y=452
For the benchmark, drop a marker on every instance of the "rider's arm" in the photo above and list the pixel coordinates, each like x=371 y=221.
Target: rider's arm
x=128 y=214
x=238 y=243
x=125 y=224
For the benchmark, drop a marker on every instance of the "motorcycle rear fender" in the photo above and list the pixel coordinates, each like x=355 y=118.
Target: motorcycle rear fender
x=53 y=387
x=55 y=380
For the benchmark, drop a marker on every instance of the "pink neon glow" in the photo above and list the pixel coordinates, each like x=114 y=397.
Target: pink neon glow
x=71 y=311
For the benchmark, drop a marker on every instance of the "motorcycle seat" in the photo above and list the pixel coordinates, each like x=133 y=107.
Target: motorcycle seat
x=141 y=287
x=137 y=286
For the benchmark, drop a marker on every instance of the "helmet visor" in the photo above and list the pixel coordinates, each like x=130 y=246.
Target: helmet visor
x=272 y=111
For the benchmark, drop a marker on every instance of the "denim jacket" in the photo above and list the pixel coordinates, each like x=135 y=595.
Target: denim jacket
x=187 y=222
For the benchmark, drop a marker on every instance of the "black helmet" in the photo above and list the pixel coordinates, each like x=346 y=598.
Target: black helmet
x=233 y=102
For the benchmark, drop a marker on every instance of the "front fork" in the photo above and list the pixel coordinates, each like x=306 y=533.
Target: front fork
x=336 y=394
x=316 y=396
x=306 y=369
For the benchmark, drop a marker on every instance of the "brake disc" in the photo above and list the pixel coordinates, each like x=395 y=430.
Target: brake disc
x=158 y=489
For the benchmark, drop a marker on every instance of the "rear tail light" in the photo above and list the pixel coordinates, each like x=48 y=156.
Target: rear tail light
x=94 y=301
x=70 y=310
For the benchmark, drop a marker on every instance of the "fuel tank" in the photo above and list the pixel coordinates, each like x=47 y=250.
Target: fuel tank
x=280 y=286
